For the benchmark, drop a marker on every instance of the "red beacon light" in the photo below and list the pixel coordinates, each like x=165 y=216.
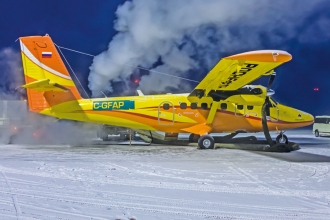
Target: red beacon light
x=136 y=81
x=316 y=89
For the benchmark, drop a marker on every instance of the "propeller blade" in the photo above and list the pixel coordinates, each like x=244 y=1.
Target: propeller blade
x=270 y=92
x=271 y=80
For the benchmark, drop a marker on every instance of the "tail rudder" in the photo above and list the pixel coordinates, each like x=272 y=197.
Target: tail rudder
x=48 y=82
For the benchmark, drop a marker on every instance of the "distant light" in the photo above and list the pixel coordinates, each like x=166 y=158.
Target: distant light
x=136 y=81
x=15 y=128
x=316 y=89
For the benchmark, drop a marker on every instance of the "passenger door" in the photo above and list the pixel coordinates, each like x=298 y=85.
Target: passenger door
x=166 y=112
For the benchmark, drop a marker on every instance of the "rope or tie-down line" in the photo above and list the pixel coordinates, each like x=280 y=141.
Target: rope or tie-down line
x=153 y=71
x=59 y=48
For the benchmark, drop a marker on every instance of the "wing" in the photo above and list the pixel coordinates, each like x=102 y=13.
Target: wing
x=234 y=72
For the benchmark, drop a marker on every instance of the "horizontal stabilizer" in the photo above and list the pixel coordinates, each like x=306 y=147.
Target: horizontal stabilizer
x=45 y=85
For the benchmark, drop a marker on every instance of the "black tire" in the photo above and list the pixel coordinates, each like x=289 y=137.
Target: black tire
x=317 y=133
x=206 y=142
x=282 y=139
x=194 y=138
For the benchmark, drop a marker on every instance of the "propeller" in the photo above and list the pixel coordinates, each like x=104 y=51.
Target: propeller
x=270 y=83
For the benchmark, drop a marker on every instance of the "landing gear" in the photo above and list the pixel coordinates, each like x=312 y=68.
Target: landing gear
x=282 y=139
x=206 y=142
x=194 y=138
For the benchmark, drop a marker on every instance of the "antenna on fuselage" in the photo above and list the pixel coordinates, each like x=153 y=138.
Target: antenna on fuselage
x=104 y=94
x=139 y=92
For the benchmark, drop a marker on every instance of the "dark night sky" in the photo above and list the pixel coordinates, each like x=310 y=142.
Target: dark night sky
x=88 y=26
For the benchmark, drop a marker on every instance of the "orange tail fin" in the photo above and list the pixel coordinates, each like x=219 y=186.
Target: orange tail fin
x=48 y=82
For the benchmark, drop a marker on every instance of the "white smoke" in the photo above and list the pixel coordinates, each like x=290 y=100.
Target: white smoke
x=17 y=125
x=190 y=35
x=11 y=75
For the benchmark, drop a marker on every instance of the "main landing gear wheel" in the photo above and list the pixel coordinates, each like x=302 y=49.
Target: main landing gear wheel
x=282 y=139
x=194 y=138
x=317 y=134
x=206 y=142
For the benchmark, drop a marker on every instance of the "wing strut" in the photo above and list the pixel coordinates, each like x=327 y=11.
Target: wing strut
x=213 y=111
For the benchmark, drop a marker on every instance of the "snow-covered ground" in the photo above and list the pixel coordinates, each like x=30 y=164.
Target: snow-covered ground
x=165 y=182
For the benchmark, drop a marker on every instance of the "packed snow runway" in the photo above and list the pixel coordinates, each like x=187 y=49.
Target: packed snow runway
x=165 y=182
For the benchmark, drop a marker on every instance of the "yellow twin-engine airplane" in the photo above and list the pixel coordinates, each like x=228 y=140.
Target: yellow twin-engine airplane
x=221 y=102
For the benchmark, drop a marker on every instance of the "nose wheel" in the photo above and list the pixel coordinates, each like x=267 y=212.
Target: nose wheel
x=282 y=139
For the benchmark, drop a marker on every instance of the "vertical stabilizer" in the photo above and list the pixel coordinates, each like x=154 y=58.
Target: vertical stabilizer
x=42 y=62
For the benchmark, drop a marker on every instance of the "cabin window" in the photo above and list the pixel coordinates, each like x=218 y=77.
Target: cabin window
x=193 y=105
x=223 y=106
x=240 y=107
x=250 y=107
x=183 y=105
x=204 y=106
x=166 y=106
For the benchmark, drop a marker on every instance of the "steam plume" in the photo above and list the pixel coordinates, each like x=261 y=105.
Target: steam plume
x=11 y=73
x=187 y=38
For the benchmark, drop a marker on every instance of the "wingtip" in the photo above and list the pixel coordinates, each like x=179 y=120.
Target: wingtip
x=263 y=56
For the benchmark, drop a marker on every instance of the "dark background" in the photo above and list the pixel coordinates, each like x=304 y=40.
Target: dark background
x=88 y=26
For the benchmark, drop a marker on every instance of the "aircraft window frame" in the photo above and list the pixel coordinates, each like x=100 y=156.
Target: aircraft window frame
x=223 y=106
x=204 y=106
x=183 y=105
x=240 y=107
x=168 y=106
x=250 y=107
x=193 y=105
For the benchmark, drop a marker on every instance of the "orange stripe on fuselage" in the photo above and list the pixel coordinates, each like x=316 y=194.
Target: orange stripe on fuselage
x=143 y=119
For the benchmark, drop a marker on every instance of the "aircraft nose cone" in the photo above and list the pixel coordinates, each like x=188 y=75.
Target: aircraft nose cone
x=310 y=118
x=307 y=117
